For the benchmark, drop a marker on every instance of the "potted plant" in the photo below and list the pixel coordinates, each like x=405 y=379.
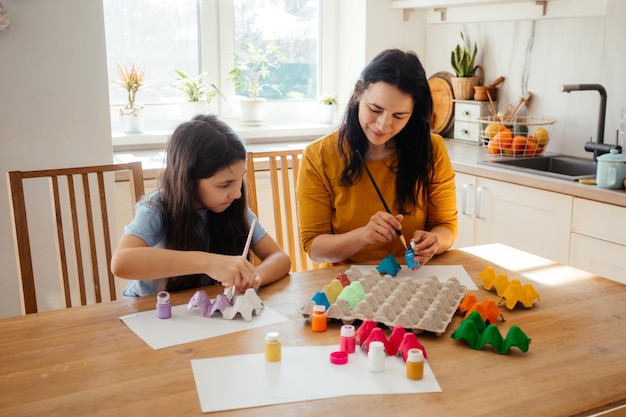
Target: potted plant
x=328 y=105
x=132 y=78
x=198 y=91
x=462 y=60
x=252 y=69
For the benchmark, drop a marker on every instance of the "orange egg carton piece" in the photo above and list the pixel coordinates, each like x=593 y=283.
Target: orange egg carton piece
x=511 y=291
x=488 y=309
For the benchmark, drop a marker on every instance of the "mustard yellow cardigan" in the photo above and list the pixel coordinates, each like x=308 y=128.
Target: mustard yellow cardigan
x=327 y=207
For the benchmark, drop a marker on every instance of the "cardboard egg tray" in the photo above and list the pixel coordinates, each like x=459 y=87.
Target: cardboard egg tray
x=425 y=305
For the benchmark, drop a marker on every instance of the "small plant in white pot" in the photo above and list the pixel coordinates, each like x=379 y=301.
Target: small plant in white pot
x=251 y=72
x=328 y=106
x=132 y=79
x=197 y=90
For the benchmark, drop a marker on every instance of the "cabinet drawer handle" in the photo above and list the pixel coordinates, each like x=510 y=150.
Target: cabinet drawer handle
x=466 y=190
x=479 y=199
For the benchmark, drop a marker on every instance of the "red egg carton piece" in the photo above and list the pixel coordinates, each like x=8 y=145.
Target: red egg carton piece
x=399 y=341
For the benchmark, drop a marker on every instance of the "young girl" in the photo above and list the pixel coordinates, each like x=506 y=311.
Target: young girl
x=192 y=231
x=386 y=128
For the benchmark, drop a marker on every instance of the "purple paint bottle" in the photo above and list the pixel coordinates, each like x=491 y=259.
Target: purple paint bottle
x=163 y=306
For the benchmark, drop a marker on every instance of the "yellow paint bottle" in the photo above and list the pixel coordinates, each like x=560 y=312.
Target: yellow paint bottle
x=272 y=347
x=415 y=364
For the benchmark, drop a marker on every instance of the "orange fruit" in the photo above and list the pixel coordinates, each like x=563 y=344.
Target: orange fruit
x=531 y=148
x=494 y=146
x=492 y=129
x=519 y=144
x=505 y=140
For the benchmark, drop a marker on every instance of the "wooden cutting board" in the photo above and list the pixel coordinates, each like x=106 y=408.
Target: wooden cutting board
x=443 y=106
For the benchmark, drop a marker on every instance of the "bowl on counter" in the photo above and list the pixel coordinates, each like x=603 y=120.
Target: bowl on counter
x=518 y=137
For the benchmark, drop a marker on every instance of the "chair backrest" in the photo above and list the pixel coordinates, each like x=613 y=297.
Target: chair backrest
x=81 y=225
x=274 y=174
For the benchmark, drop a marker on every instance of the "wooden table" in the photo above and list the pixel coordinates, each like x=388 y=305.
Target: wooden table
x=85 y=361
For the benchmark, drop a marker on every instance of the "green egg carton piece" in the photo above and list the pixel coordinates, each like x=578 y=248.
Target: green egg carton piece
x=478 y=334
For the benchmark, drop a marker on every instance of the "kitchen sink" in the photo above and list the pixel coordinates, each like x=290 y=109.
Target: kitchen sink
x=557 y=166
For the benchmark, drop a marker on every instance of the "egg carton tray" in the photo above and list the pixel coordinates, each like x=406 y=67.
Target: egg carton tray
x=427 y=305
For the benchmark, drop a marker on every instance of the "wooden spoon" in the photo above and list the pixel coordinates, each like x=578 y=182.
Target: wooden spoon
x=497 y=82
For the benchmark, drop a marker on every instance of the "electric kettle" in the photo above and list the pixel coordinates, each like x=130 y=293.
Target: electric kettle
x=611 y=170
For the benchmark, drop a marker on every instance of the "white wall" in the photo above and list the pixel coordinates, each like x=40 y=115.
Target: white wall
x=53 y=81
x=540 y=55
x=53 y=102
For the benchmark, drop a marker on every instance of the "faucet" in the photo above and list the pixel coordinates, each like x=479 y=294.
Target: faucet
x=599 y=147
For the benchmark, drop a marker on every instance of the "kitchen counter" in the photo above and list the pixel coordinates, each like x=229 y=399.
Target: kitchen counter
x=464 y=156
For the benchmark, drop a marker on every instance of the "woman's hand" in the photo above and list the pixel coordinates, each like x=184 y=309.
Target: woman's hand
x=382 y=227
x=425 y=245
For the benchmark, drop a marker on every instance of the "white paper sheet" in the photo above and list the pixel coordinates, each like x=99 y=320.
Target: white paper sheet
x=303 y=374
x=442 y=272
x=188 y=325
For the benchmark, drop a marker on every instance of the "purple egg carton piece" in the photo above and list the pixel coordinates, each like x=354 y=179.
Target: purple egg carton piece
x=247 y=305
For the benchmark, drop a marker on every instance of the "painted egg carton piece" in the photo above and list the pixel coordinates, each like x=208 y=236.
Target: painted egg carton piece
x=477 y=334
x=246 y=304
x=427 y=305
x=512 y=291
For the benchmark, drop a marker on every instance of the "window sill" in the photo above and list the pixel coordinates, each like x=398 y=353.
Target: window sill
x=266 y=133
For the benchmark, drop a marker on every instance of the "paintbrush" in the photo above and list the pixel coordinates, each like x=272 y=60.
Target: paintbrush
x=230 y=292
x=380 y=195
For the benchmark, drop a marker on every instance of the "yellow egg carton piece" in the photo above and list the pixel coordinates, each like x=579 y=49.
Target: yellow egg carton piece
x=424 y=305
x=512 y=291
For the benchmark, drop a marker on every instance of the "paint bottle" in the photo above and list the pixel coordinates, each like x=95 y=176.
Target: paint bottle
x=347 y=340
x=409 y=257
x=415 y=364
x=272 y=347
x=319 y=319
x=376 y=357
x=163 y=306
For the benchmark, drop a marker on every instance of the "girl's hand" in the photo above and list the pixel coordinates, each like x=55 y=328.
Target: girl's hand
x=382 y=227
x=232 y=270
x=425 y=245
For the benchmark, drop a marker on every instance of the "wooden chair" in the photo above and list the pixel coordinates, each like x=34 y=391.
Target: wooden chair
x=61 y=204
x=271 y=179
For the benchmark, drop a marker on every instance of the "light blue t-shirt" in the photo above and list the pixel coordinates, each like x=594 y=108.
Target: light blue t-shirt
x=148 y=226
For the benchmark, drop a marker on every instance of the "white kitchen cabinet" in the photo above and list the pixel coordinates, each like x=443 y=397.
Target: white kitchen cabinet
x=465 y=198
x=526 y=218
x=598 y=239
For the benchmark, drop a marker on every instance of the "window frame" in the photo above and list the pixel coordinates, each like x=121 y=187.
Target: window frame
x=217 y=58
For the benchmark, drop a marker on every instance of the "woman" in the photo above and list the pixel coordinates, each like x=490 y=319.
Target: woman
x=387 y=126
x=192 y=231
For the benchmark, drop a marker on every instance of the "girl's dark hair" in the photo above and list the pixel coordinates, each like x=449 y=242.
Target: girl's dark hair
x=412 y=144
x=196 y=150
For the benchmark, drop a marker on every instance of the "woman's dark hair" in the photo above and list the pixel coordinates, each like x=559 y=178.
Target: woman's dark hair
x=196 y=150
x=415 y=166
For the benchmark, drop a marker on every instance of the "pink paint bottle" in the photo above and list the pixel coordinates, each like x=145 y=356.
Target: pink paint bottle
x=347 y=340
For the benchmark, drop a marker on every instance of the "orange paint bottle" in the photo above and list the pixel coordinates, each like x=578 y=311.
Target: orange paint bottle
x=319 y=319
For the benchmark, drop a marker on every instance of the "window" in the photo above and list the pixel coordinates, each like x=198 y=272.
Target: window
x=293 y=26
x=161 y=35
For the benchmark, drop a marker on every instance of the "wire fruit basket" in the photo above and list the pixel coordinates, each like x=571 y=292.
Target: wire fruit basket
x=518 y=137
